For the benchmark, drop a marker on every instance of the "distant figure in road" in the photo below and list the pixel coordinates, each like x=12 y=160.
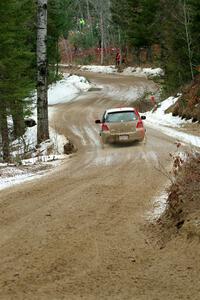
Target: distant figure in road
x=117 y=59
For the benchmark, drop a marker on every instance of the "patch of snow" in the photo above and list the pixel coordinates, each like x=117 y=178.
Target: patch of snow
x=180 y=136
x=30 y=136
x=143 y=72
x=135 y=71
x=58 y=141
x=29 y=142
x=17 y=178
x=30 y=169
x=67 y=89
x=161 y=118
x=159 y=206
x=52 y=159
x=161 y=121
x=100 y=69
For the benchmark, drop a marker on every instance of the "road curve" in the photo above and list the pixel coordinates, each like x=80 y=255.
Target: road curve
x=79 y=232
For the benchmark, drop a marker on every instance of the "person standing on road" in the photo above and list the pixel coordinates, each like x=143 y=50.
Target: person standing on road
x=117 y=59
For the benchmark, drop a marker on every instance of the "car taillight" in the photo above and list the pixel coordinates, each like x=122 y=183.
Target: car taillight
x=104 y=127
x=139 y=124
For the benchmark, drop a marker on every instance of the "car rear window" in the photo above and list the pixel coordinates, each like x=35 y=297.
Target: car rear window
x=121 y=116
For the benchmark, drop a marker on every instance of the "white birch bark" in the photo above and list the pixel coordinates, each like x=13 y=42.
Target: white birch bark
x=188 y=38
x=183 y=17
x=42 y=99
x=102 y=9
x=102 y=37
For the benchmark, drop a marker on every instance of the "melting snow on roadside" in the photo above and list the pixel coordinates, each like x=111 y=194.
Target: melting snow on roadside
x=38 y=164
x=167 y=123
x=12 y=175
x=159 y=117
x=143 y=72
x=134 y=71
x=159 y=206
x=67 y=89
x=100 y=69
x=30 y=169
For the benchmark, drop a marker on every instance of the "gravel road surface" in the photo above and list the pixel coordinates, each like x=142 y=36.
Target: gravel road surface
x=81 y=232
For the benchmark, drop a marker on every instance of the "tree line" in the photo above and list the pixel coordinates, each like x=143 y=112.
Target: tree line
x=172 y=25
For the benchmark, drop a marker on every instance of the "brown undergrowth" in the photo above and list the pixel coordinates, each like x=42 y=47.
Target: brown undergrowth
x=142 y=105
x=182 y=216
x=188 y=106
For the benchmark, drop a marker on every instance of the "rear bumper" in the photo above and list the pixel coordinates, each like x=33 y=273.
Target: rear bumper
x=108 y=137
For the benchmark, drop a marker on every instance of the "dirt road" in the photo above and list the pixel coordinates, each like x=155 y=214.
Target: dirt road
x=82 y=232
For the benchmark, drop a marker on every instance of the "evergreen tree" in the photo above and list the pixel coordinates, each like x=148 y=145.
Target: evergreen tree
x=15 y=66
x=194 y=30
x=139 y=20
x=178 y=44
x=60 y=17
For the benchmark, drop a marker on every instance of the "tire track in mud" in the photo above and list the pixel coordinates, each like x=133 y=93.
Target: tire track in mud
x=88 y=133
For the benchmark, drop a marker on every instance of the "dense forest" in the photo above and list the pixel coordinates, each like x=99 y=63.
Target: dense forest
x=166 y=31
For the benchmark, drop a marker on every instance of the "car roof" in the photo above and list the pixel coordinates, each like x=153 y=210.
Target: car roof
x=119 y=109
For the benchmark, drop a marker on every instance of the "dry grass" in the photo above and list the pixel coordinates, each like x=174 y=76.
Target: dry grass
x=188 y=106
x=183 y=205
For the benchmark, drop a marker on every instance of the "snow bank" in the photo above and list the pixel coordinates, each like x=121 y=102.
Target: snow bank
x=14 y=176
x=57 y=141
x=143 y=72
x=67 y=89
x=134 y=71
x=100 y=69
x=39 y=163
x=30 y=169
x=167 y=123
x=161 y=118
x=159 y=206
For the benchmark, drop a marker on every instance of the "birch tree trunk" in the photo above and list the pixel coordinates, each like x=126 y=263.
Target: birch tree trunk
x=120 y=47
x=89 y=16
x=102 y=37
x=42 y=99
x=188 y=37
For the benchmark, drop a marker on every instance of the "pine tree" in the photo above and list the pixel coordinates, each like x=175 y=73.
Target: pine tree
x=194 y=30
x=15 y=66
x=139 y=19
x=178 y=43
x=59 y=23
